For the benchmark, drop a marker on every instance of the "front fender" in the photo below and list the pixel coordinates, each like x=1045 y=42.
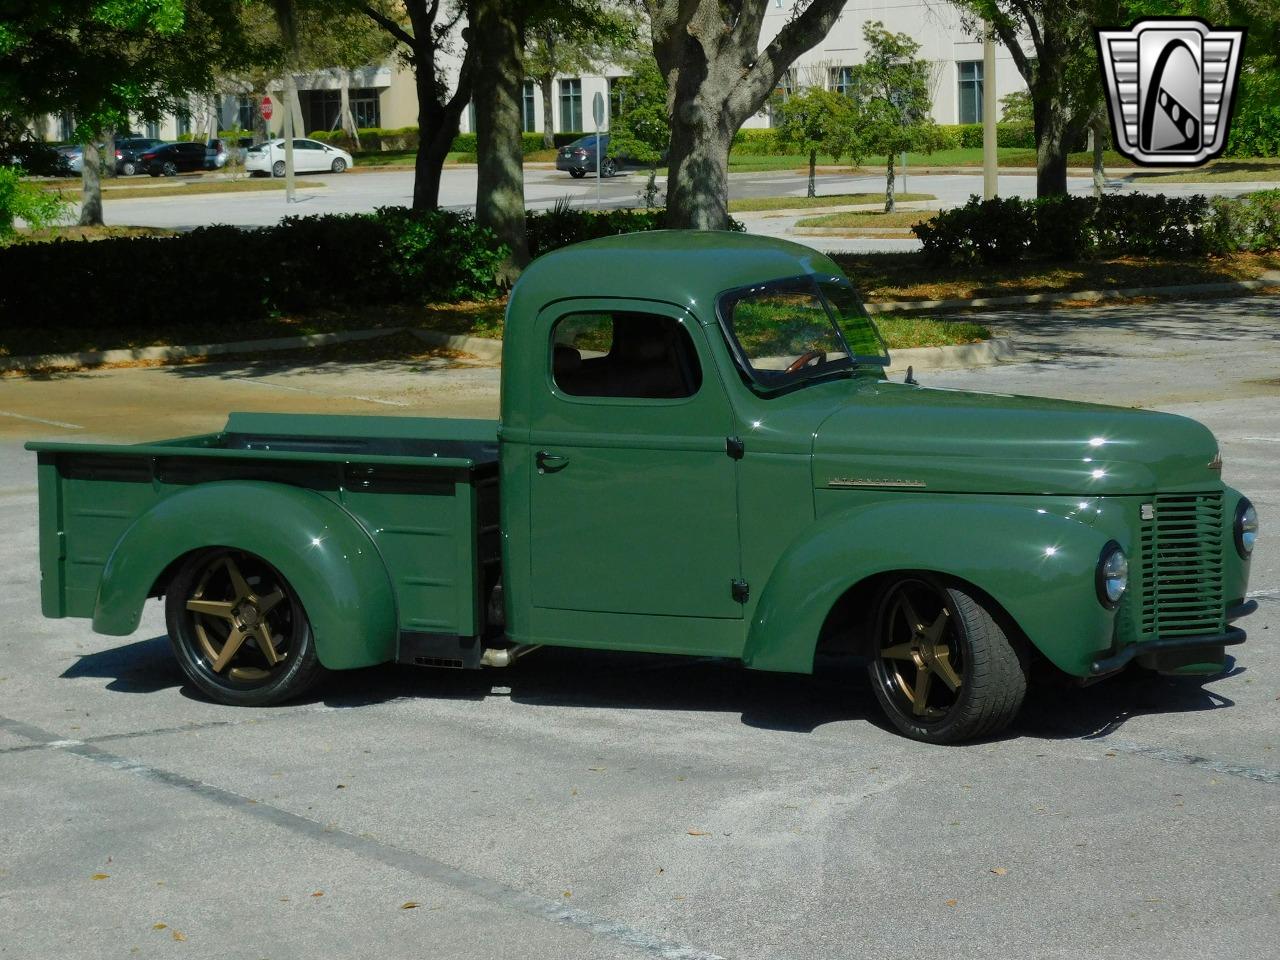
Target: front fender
x=324 y=554
x=1038 y=566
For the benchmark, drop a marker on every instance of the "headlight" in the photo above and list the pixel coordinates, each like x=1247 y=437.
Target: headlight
x=1113 y=575
x=1246 y=528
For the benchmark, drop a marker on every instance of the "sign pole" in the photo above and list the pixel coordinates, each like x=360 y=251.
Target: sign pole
x=597 y=114
x=990 y=181
x=289 y=96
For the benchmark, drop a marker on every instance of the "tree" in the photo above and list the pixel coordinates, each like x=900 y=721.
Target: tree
x=891 y=93
x=572 y=44
x=817 y=120
x=105 y=61
x=641 y=129
x=430 y=34
x=718 y=76
x=1061 y=73
x=496 y=33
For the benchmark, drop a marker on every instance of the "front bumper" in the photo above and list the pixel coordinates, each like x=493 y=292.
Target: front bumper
x=1172 y=654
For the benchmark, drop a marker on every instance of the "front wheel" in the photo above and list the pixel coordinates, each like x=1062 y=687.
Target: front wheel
x=577 y=174
x=944 y=671
x=239 y=630
x=608 y=168
x=277 y=168
x=339 y=165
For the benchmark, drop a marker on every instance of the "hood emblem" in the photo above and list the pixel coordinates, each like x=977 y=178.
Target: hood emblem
x=1216 y=462
x=873 y=482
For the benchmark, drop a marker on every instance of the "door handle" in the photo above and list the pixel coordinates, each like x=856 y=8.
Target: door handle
x=549 y=462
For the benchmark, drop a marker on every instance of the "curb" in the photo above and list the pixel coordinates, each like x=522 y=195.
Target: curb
x=959 y=356
x=1269 y=279
x=987 y=352
x=94 y=358
x=481 y=347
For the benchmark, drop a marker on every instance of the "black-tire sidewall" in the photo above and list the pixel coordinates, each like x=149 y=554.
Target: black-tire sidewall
x=300 y=673
x=958 y=724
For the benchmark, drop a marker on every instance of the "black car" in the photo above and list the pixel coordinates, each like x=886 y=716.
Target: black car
x=129 y=150
x=173 y=158
x=579 y=157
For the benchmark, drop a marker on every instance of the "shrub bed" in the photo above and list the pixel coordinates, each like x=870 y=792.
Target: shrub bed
x=301 y=264
x=1007 y=229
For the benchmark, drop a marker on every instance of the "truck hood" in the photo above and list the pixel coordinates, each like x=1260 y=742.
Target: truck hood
x=900 y=436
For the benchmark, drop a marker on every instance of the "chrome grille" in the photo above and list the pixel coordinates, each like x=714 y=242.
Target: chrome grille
x=1181 y=566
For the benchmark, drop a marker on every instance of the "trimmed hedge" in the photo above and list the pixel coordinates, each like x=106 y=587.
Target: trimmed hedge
x=1008 y=229
x=301 y=264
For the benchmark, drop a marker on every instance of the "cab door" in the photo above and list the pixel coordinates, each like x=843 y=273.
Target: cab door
x=633 y=501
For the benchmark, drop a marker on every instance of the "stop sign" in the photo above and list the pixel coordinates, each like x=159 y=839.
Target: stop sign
x=265 y=108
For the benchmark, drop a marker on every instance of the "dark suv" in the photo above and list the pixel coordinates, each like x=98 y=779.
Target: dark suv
x=579 y=157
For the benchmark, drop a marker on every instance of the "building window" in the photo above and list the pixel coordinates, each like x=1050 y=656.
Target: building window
x=570 y=105
x=66 y=127
x=781 y=94
x=322 y=109
x=970 y=91
x=530 y=108
x=247 y=112
x=153 y=130
x=183 y=119
x=842 y=79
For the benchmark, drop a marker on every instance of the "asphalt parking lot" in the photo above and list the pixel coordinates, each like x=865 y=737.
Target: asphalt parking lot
x=602 y=805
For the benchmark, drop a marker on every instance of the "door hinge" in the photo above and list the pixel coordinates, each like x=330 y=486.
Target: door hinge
x=734 y=447
x=740 y=590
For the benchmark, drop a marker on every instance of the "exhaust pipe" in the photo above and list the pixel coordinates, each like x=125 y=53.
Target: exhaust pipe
x=506 y=656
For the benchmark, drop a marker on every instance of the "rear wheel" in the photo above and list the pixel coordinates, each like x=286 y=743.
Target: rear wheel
x=170 y=169
x=339 y=165
x=577 y=174
x=277 y=168
x=128 y=168
x=239 y=631
x=944 y=670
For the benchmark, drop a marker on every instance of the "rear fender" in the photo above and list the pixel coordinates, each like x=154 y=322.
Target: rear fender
x=320 y=549
x=1039 y=567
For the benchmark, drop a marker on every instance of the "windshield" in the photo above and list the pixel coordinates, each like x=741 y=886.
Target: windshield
x=788 y=331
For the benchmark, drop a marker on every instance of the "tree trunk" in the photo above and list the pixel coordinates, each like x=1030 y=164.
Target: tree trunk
x=109 y=153
x=813 y=170
x=1051 y=146
x=437 y=127
x=1099 y=135
x=546 y=84
x=888 y=186
x=345 y=116
x=698 y=158
x=91 y=186
x=495 y=32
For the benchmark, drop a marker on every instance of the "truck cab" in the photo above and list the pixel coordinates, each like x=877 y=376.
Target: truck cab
x=698 y=453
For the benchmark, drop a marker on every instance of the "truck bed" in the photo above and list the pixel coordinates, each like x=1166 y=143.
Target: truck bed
x=425 y=490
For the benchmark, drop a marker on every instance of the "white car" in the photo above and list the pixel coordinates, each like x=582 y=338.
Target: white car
x=309 y=156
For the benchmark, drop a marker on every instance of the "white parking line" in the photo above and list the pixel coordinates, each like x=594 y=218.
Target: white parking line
x=51 y=423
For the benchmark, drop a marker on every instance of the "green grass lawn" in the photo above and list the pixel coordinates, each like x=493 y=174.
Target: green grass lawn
x=179 y=187
x=1217 y=171
x=855 y=219
x=748 y=204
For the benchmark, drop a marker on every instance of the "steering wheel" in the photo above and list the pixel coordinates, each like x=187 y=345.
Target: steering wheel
x=806 y=358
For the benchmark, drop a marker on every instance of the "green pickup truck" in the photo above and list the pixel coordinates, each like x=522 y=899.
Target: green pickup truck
x=699 y=453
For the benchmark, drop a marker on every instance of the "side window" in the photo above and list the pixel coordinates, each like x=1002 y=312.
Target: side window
x=635 y=355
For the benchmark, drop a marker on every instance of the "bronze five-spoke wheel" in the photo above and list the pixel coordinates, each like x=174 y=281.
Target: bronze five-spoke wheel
x=943 y=669
x=239 y=630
